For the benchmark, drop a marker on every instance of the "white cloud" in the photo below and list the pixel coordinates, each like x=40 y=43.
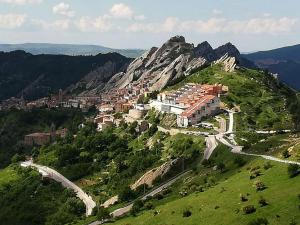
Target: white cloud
x=86 y=24
x=261 y=25
x=54 y=25
x=217 y=12
x=140 y=17
x=121 y=11
x=21 y=2
x=11 y=21
x=63 y=9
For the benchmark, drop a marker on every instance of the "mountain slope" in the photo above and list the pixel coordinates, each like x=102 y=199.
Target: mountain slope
x=38 y=75
x=280 y=54
x=284 y=61
x=219 y=201
x=68 y=49
x=174 y=60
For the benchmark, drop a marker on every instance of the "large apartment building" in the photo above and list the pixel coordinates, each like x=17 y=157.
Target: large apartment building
x=191 y=103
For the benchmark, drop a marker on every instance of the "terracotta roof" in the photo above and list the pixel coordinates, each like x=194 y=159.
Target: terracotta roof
x=206 y=99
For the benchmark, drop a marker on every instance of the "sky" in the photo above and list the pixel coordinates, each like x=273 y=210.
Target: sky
x=249 y=24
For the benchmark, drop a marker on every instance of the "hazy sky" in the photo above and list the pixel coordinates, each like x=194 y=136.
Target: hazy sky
x=249 y=24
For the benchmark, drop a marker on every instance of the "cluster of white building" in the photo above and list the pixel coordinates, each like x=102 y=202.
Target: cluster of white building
x=191 y=103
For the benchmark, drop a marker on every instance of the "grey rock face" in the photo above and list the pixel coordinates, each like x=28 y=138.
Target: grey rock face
x=175 y=59
x=228 y=49
x=205 y=51
x=161 y=66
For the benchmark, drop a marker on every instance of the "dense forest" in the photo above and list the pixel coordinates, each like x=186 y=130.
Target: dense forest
x=14 y=124
x=39 y=75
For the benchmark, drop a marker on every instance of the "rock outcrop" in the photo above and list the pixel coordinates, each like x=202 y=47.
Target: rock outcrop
x=160 y=66
x=229 y=63
x=171 y=62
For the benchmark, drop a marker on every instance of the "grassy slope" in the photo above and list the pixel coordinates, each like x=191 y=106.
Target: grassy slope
x=281 y=194
x=256 y=93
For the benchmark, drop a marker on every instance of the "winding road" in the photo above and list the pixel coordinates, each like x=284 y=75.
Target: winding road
x=53 y=174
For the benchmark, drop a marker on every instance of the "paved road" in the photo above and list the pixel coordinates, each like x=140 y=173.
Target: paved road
x=238 y=149
x=122 y=211
x=211 y=144
x=51 y=173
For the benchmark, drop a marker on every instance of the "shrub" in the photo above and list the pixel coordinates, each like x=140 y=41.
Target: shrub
x=243 y=198
x=136 y=207
x=127 y=194
x=103 y=214
x=159 y=196
x=239 y=161
x=221 y=166
x=259 y=221
x=293 y=170
x=149 y=205
x=262 y=202
x=267 y=165
x=285 y=154
x=248 y=209
x=186 y=213
x=259 y=185
x=254 y=174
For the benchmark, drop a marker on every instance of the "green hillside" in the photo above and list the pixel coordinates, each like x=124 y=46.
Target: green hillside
x=25 y=199
x=264 y=102
x=219 y=202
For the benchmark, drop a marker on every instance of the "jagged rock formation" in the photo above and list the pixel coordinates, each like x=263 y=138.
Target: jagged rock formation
x=229 y=63
x=160 y=66
x=175 y=59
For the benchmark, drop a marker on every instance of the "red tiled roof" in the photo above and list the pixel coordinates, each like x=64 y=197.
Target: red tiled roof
x=205 y=99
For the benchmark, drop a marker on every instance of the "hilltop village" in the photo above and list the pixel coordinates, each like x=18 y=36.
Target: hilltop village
x=190 y=104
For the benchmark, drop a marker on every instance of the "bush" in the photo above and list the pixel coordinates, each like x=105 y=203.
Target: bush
x=248 y=209
x=293 y=170
x=243 y=198
x=137 y=207
x=103 y=214
x=259 y=185
x=127 y=194
x=254 y=174
x=221 y=166
x=186 y=213
x=259 y=221
x=239 y=161
x=149 y=205
x=262 y=202
x=285 y=154
x=267 y=165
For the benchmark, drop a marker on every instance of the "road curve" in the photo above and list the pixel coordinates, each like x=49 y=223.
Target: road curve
x=122 y=211
x=51 y=173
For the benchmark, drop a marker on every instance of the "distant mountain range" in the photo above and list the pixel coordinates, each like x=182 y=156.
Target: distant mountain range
x=68 y=49
x=284 y=61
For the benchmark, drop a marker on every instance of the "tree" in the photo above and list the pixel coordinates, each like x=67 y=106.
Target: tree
x=286 y=154
x=293 y=170
x=136 y=207
x=126 y=194
x=221 y=166
x=103 y=214
x=249 y=209
x=262 y=202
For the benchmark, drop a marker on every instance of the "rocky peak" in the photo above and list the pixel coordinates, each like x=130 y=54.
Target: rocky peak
x=228 y=49
x=177 y=39
x=205 y=51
